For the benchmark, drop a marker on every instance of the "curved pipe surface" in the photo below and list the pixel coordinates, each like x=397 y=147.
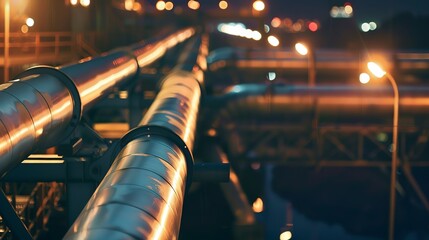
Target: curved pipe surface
x=141 y=196
x=44 y=103
x=325 y=59
x=331 y=103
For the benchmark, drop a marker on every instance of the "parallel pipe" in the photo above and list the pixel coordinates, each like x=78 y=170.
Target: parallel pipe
x=332 y=104
x=246 y=58
x=44 y=104
x=142 y=194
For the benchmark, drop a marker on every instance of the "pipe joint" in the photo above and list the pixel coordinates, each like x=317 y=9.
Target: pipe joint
x=149 y=130
x=71 y=87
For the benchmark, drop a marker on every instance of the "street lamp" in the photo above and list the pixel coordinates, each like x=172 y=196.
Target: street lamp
x=305 y=51
x=379 y=73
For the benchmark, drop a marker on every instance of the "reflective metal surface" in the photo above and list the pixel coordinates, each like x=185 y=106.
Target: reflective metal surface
x=331 y=103
x=142 y=194
x=36 y=111
x=33 y=112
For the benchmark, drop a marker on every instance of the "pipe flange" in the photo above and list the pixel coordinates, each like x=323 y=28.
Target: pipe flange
x=163 y=132
x=70 y=85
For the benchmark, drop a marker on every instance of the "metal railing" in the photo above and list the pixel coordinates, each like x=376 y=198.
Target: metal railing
x=26 y=48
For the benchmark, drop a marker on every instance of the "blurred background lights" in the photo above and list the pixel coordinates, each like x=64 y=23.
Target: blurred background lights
x=273 y=41
x=301 y=49
x=365 y=27
x=266 y=28
x=368 y=26
x=73 y=2
x=223 y=4
x=24 y=28
x=29 y=22
x=286 y=235
x=169 y=6
x=258 y=5
x=239 y=29
x=160 y=5
x=364 y=78
x=271 y=76
x=194 y=5
x=313 y=26
x=85 y=3
x=345 y=11
x=128 y=5
x=276 y=22
x=258 y=205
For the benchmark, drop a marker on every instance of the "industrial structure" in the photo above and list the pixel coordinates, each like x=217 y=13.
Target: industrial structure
x=128 y=144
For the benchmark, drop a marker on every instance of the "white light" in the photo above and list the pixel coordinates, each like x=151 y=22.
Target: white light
x=256 y=35
x=364 y=78
x=286 y=235
x=273 y=41
x=160 y=5
x=258 y=5
x=348 y=10
x=85 y=3
x=376 y=70
x=372 y=26
x=266 y=28
x=365 y=27
x=301 y=49
x=271 y=76
x=29 y=22
x=73 y=2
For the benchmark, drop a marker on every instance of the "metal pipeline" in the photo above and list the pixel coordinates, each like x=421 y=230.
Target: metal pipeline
x=142 y=194
x=249 y=106
x=246 y=58
x=44 y=104
x=332 y=104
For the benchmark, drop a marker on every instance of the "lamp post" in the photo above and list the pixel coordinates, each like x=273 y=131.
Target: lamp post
x=379 y=72
x=305 y=51
x=6 y=39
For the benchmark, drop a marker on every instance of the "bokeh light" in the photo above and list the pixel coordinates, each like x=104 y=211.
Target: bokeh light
x=273 y=41
x=258 y=5
x=364 y=78
x=276 y=22
x=223 y=4
x=160 y=5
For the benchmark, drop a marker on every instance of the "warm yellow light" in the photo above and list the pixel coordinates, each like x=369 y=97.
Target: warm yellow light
x=169 y=5
x=348 y=9
x=129 y=4
x=160 y=5
x=85 y=3
x=258 y=5
x=273 y=41
x=286 y=235
x=24 y=28
x=194 y=5
x=276 y=22
x=376 y=70
x=364 y=78
x=73 y=2
x=29 y=22
x=223 y=4
x=301 y=49
x=258 y=205
x=137 y=7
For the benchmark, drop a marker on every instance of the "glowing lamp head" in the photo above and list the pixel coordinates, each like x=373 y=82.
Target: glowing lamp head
x=301 y=49
x=376 y=70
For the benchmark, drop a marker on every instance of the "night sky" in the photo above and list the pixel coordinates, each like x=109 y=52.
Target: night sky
x=364 y=10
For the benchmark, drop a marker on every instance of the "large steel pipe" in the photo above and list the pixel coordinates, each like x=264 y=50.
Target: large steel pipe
x=331 y=104
x=44 y=104
x=141 y=196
